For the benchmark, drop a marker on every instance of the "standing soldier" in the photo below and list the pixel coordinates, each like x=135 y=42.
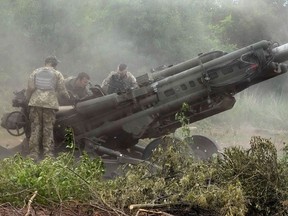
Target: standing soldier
x=43 y=85
x=119 y=81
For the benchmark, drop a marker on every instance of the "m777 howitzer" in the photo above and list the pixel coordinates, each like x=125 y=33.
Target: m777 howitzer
x=111 y=125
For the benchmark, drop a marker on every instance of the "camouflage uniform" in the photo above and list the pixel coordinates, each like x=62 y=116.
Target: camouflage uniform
x=43 y=104
x=78 y=92
x=117 y=83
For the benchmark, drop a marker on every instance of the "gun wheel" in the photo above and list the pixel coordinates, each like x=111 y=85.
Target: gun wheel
x=202 y=147
x=157 y=143
x=20 y=125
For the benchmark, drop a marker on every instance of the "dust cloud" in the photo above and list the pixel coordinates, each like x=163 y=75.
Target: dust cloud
x=68 y=31
x=83 y=41
x=80 y=44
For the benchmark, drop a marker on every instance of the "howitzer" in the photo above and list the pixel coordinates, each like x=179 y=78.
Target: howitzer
x=113 y=124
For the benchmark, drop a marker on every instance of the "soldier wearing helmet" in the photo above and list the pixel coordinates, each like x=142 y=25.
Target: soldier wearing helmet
x=44 y=84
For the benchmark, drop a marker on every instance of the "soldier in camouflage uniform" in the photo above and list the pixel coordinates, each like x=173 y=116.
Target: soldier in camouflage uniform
x=78 y=85
x=119 y=81
x=43 y=85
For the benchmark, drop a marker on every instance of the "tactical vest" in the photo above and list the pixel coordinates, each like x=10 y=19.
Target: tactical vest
x=116 y=85
x=45 y=79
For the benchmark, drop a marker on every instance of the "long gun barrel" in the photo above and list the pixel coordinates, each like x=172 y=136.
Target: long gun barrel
x=212 y=59
x=207 y=83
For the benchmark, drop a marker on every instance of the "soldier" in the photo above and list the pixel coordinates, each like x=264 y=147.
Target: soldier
x=119 y=81
x=77 y=86
x=43 y=85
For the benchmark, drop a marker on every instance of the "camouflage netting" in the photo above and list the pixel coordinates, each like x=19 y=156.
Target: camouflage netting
x=237 y=182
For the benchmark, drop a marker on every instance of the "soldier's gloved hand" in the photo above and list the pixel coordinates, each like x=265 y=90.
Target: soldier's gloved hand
x=73 y=100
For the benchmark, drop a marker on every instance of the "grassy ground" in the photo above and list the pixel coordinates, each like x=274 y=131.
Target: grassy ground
x=252 y=115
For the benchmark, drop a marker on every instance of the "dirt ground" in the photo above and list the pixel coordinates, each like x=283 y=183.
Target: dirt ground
x=65 y=210
x=89 y=210
x=223 y=137
x=9 y=141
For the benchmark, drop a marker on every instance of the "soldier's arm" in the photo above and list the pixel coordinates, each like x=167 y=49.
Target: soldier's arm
x=68 y=84
x=105 y=83
x=133 y=81
x=60 y=88
x=31 y=86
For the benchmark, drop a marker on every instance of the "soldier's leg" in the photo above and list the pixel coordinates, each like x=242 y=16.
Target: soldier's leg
x=36 y=129
x=48 y=138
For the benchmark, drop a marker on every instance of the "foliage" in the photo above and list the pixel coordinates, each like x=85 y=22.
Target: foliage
x=233 y=18
x=69 y=138
x=180 y=180
x=238 y=182
x=285 y=155
x=184 y=121
x=55 y=180
x=261 y=175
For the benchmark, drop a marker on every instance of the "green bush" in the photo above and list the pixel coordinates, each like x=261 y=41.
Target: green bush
x=55 y=180
x=238 y=182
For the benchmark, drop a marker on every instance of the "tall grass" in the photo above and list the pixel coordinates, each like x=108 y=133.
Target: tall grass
x=253 y=114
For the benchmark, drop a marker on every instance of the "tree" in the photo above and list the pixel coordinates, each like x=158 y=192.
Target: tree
x=244 y=22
